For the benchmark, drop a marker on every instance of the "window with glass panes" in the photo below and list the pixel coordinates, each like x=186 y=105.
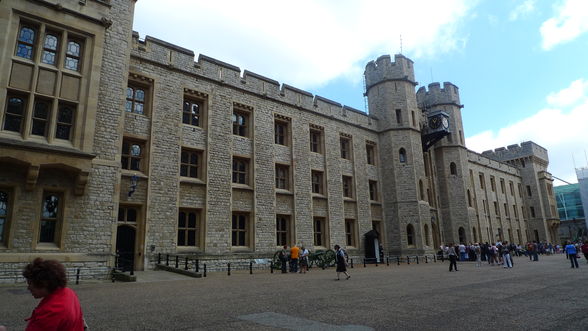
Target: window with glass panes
x=239 y=229
x=15 y=112
x=41 y=115
x=345 y=148
x=240 y=170
x=281 y=132
x=317 y=182
x=350 y=232
x=241 y=123
x=190 y=162
x=132 y=154
x=282 y=174
x=373 y=186
x=347 y=186
x=51 y=210
x=192 y=112
x=370 y=151
x=65 y=121
x=316 y=140
x=282 y=230
x=136 y=97
x=4 y=213
x=188 y=227
x=127 y=214
x=319 y=227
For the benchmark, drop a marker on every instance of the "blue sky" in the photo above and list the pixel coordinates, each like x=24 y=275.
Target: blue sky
x=521 y=65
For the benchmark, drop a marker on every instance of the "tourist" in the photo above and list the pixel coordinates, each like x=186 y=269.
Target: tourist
x=584 y=249
x=341 y=263
x=294 y=253
x=478 y=252
x=507 y=260
x=283 y=257
x=462 y=252
x=452 y=258
x=572 y=254
x=304 y=259
x=59 y=308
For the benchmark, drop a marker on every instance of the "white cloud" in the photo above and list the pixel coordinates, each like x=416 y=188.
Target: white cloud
x=569 y=22
x=524 y=9
x=562 y=130
x=305 y=43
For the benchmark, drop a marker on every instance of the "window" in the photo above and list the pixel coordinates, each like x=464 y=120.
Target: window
x=320 y=231
x=347 y=186
x=127 y=214
x=136 y=98
x=4 y=214
x=402 y=155
x=345 y=148
x=410 y=235
x=421 y=190
x=511 y=186
x=73 y=54
x=50 y=47
x=529 y=190
x=481 y=181
x=492 y=184
x=282 y=230
x=520 y=190
x=496 y=210
x=502 y=187
x=50 y=218
x=350 y=233
x=281 y=132
x=282 y=177
x=190 y=163
x=413 y=118
x=316 y=140
x=41 y=111
x=427 y=241
x=523 y=212
x=506 y=210
x=192 y=112
x=241 y=123
x=453 y=168
x=15 y=111
x=373 y=185
x=188 y=228
x=240 y=170
x=240 y=229
x=398 y=116
x=475 y=234
x=469 y=199
x=317 y=182
x=514 y=209
x=65 y=120
x=532 y=210
x=26 y=42
x=370 y=150
x=132 y=154
x=462 y=235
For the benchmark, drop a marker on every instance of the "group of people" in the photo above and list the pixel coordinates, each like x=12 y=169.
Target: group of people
x=295 y=257
x=573 y=250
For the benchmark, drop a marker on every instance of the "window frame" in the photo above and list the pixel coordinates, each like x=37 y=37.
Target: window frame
x=283 y=137
x=58 y=220
x=246 y=126
x=320 y=183
x=347 y=186
x=283 y=230
x=189 y=165
x=135 y=86
x=22 y=118
x=197 y=228
x=350 y=232
x=245 y=173
x=142 y=158
x=201 y=111
x=245 y=230
x=345 y=144
x=282 y=176
x=318 y=145
x=7 y=217
x=322 y=234
x=373 y=190
x=370 y=151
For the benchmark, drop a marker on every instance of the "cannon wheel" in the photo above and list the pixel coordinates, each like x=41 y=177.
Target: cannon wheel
x=276 y=261
x=326 y=259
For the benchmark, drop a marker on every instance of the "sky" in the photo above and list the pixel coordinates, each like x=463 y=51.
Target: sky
x=521 y=65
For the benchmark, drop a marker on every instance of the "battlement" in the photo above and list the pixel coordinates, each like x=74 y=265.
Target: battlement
x=384 y=69
x=436 y=95
x=516 y=151
x=179 y=59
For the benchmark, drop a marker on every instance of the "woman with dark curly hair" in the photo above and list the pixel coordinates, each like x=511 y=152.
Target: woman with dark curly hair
x=59 y=308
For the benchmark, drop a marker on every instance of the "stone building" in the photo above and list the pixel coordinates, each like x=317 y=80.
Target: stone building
x=109 y=142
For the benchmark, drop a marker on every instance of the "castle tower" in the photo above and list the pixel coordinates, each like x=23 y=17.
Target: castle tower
x=449 y=158
x=390 y=91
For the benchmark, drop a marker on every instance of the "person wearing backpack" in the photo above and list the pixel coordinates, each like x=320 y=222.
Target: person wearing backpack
x=506 y=255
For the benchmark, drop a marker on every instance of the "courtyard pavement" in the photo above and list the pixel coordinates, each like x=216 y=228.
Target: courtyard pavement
x=544 y=295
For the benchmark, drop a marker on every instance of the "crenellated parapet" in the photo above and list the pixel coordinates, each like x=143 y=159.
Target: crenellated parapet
x=516 y=151
x=435 y=95
x=383 y=70
x=182 y=60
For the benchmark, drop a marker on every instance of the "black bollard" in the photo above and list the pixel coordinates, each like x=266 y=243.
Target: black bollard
x=132 y=271
x=251 y=267
x=186 y=264
x=376 y=262
x=426 y=259
x=407 y=259
x=351 y=263
x=417 y=259
x=177 y=261
x=158 y=258
x=204 y=270
x=197 y=265
x=435 y=258
x=272 y=267
x=167 y=259
x=78 y=277
x=228 y=269
x=398 y=260
x=364 y=263
x=113 y=271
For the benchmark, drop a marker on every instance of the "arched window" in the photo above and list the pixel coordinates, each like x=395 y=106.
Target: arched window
x=462 y=235
x=453 y=168
x=410 y=235
x=427 y=235
x=402 y=155
x=469 y=199
x=421 y=190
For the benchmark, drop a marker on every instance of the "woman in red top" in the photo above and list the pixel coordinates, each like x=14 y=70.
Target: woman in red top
x=59 y=308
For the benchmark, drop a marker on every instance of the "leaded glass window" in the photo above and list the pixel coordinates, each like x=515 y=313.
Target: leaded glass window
x=191 y=113
x=40 y=117
x=282 y=229
x=15 y=107
x=135 y=100
x=65 y=120
x=190 y=163
x=240 y=171
x=26 y=41
x=73 y=54
x=50 y=48
x=3 y=215
x=240 y=120
x=239 y=230
x=131 y=155
x=188 y=228
x=49 y=218
x=282 y=177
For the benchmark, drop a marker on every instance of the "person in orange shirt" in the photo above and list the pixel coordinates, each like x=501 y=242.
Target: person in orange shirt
x=294 y=253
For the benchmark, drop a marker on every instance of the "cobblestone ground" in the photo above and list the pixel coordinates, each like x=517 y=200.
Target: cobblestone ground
x=544 y=295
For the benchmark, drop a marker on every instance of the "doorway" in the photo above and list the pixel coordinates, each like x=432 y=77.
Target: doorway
x=125 y=247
